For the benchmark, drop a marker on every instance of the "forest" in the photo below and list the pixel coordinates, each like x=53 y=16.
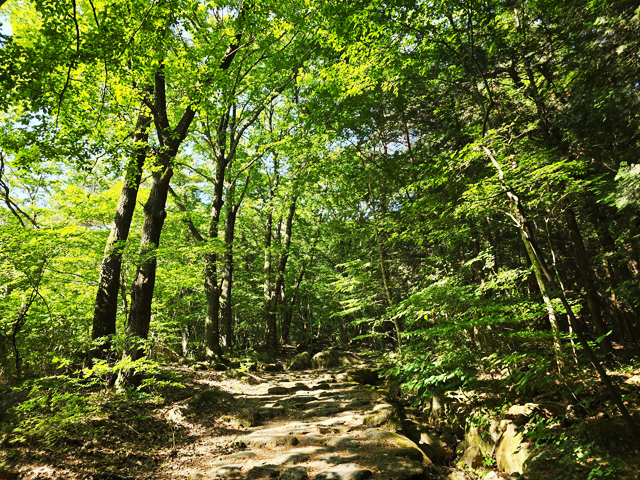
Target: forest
x=448 y=189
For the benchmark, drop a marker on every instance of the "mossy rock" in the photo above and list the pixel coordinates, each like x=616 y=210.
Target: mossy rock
x=302 y=361
x=334 y=358
x=406 y=446
x=384 y=416
x=512 y=454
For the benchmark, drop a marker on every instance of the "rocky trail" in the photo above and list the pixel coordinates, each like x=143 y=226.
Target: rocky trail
x=338 y=419
x=332 y=423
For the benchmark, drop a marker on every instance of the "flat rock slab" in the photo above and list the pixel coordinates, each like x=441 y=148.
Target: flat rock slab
x=344 y=472
x=228 y=472
x=295 y=473
x=291 y=458
x=264 y=471
x=269 y=441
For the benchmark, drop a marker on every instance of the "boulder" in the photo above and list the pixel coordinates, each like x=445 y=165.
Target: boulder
x=483 y=441
x=512 y=454
x=437 y=450
x=295 y=473
x=411 y=449
x=386 y=416
x=264 y=471
x=471 y=458
x=302 y=361
x=273 y=368
x=334 y=358
x=458 y=475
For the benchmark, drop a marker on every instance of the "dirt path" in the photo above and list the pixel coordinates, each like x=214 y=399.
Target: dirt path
x=297 y=426
x=321 y=424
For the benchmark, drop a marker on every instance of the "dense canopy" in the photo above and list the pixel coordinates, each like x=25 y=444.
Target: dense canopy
x=453 y=182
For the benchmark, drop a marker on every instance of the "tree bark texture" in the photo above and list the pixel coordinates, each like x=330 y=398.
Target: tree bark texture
x=106 y=305
x=154 y=212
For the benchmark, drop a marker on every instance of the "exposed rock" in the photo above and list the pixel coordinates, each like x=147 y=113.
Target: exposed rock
x=484 y=442
x=334 y=358
x=302 y=361
x=228 y=471
x=458 y=475
x=346 y=442
x=291 y=458
x=437 y=450
x=277 y=390
x=397 y=440
x=264 y=471
x=295 y=473
x=386 y=416
x=402 y=469
x=471 y=458
x=269 y=441
x=491 y=476
x=344 y=472
x=512 y=454
x=238 y=456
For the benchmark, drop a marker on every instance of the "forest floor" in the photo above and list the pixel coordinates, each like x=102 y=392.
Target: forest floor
x=287 y=425
x=302 y=425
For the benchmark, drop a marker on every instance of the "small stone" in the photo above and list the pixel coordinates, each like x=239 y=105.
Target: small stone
x=491 y=476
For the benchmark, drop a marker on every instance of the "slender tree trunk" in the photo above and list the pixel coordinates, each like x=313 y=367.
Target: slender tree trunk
x=142 y=288
x=106 y=305
x=288 y=313
x=227 y=276
x=544 y=290
x=272 y=334
x=587 y=282
x=154 y=215
x=211 y=286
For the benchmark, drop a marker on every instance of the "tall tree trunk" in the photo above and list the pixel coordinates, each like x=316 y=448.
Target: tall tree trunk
x=142 y=288
x=544 y=290
x=288 y=313
x=284 y=257
x=154 y=215
x=586 y=280
x=526 y=232
x=211 y=286
x=106 y=306
x=272 y=334
x=227 y=276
